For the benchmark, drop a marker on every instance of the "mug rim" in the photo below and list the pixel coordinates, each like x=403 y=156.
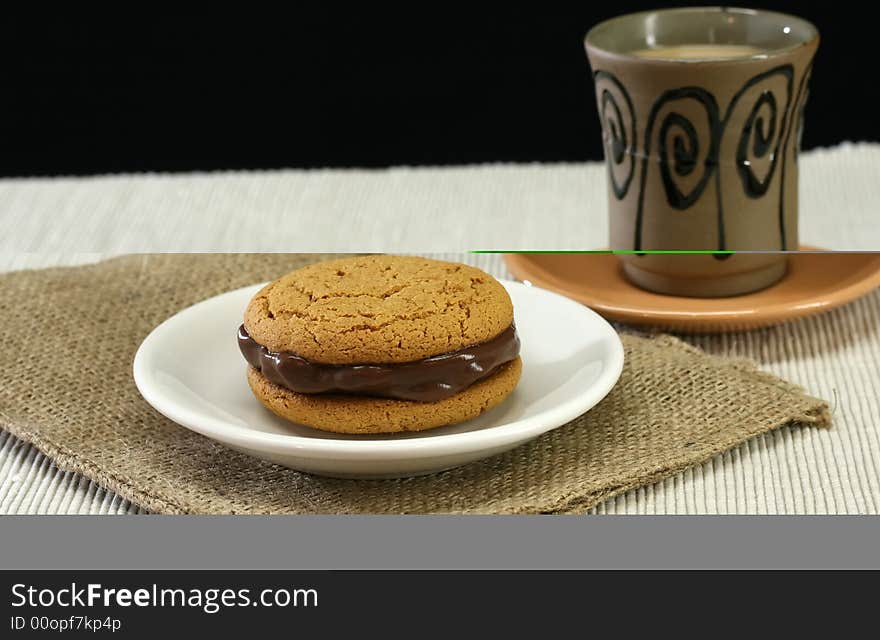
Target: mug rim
x=764 y=54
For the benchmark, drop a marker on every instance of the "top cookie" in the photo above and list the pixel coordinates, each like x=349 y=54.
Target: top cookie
x=378 y=309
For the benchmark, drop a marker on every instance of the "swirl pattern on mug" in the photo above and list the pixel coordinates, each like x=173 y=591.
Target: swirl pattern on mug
x=689 y=142
x=678 y=144
x=764 y=129
x=761 y=132
x=618 y=131
x=800 y=103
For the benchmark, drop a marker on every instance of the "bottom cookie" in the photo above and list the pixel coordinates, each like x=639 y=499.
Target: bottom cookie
x=365 y=415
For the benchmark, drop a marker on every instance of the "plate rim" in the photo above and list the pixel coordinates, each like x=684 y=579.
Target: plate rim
x=728 y=320
x=428 y=446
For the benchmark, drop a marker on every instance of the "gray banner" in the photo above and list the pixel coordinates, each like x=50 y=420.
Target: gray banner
x=438 y=542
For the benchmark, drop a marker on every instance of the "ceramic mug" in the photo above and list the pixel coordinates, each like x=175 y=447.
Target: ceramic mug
x=702 y=112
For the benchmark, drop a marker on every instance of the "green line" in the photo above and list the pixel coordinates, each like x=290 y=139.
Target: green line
x=613 y=251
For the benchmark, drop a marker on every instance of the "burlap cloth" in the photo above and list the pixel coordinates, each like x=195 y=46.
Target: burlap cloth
x=69 y=335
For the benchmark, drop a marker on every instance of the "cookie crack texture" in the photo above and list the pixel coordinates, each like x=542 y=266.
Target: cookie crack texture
x=314 y=297
x=377 y=309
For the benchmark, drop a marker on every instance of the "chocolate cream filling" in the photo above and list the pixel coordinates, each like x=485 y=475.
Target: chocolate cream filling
x=427 y=380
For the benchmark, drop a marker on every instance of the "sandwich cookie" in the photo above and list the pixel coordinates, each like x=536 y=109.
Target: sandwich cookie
x=381 y=344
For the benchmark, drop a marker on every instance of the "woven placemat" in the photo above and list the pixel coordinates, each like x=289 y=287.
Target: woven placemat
x=69 y=335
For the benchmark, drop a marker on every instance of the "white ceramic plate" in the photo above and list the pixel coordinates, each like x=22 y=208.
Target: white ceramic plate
x=190 y=369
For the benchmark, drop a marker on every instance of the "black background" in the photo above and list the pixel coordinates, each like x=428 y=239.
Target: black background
x=428 y=84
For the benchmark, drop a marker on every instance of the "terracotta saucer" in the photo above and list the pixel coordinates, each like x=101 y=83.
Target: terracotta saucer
x=815 y=282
